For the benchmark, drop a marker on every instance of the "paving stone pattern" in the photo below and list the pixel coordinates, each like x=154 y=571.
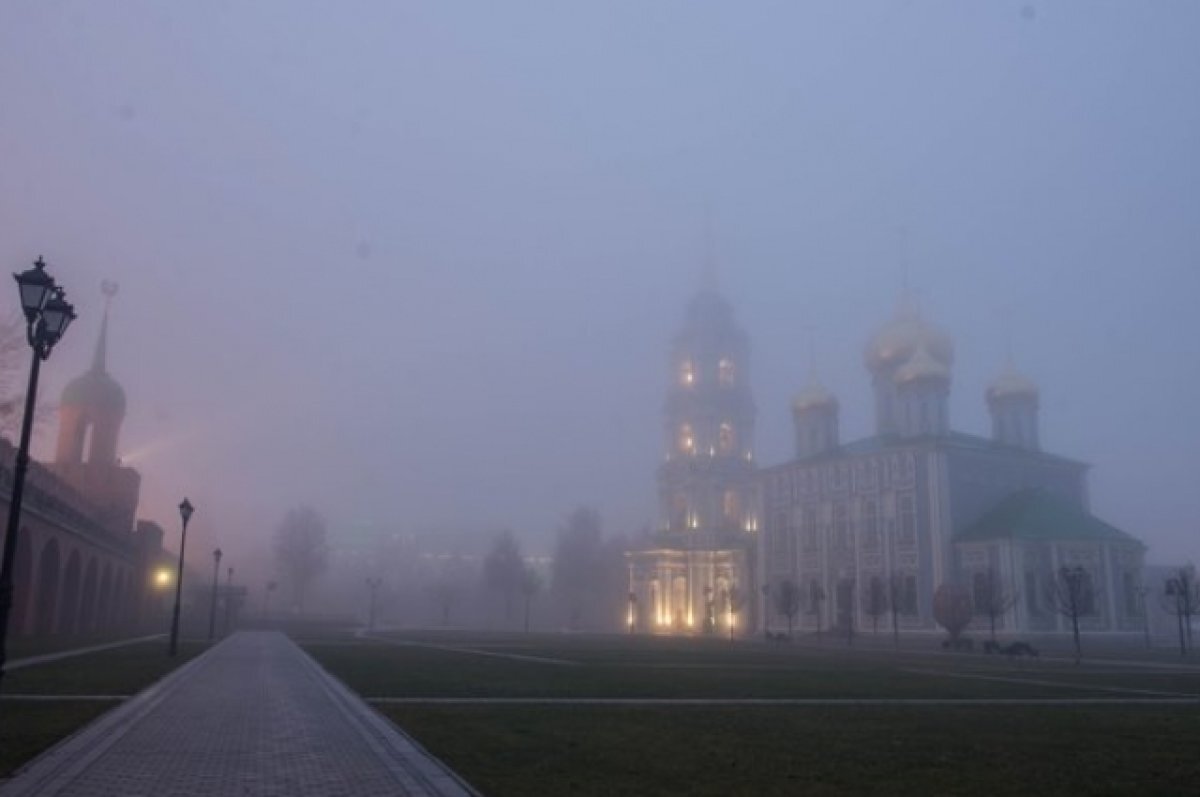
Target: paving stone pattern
x=253 y=716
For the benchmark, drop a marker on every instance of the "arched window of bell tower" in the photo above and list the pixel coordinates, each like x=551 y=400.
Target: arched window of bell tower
x=726 y=439
x=687 y=373
x=726 y=373
x=87 y=436
x=687 y=439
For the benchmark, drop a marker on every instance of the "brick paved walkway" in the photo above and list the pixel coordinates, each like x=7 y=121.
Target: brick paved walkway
x=253 y=716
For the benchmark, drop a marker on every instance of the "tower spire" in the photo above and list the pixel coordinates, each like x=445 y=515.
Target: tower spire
x=100 y=356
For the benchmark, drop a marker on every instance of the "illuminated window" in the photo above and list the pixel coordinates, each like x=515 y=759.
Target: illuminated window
x=687 y=440
x=687 y=373
x=725 y=372
x=731 y=506
x=726 y=440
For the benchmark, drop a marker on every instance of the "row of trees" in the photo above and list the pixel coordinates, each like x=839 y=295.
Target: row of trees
x=586 y=574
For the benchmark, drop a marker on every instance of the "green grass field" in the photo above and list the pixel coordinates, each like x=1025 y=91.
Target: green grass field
x=29 y=727
x=561 y=747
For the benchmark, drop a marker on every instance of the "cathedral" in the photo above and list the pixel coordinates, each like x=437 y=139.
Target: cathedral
x=868 y=527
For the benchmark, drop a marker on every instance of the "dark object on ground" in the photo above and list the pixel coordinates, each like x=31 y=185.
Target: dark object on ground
x=1015 y=649
x=960 y=643
x=1020 y=649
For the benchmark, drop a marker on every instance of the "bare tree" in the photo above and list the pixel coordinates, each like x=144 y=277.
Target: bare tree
x=1181 y=597
x=301 y=549
x=531 y=585
x=787 y=601
x=578 y=577
x=504 y=569
x=952 y=609
x=816 y=596
x=1071 y=594
x=992 y=599
x=875 y=602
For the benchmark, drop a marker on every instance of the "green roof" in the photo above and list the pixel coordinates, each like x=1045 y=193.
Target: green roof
x=1038 y=515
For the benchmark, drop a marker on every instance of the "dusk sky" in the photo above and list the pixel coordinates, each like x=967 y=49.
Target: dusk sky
x=419 y=264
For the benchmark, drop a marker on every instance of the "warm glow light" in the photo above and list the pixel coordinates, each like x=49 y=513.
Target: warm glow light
x=162 y=577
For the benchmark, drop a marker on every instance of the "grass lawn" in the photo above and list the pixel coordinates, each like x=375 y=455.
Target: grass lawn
x=120 y=671
x=23 y=647
x=690 y=750
x=27 y=728
x=762 y=750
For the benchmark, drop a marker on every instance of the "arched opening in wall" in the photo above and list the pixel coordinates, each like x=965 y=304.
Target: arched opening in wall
x=687 y=439
x=87 y=607
x=681 y=609
x=724 y=608
x=678 y=519
x=104 y=601
x=726 y=439
x=726 y=373
x=87 y=435
x=731 y=507
x=68 y=610
x=22 y=583
x=47 y=589
x=656 y=607
x=687 y=373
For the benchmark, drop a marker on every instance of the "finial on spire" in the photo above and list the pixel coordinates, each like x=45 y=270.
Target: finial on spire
x=100 y=357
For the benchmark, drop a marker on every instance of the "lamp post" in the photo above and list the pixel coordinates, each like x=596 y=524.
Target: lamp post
x=373 y=585
x=47 y=316
x=185 y=513
x=212 y=611
x=228 y=599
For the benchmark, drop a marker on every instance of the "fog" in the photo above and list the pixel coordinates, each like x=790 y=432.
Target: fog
x=418 y=264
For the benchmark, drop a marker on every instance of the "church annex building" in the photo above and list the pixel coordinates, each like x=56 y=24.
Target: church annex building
x=900 y=513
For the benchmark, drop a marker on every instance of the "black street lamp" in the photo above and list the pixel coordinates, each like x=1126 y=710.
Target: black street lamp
x=212 y=612
x=373 y=585
x=47 y=316
x=228 y=600
x=185 y=513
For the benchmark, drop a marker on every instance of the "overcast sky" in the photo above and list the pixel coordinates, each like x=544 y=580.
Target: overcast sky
x=418 y=264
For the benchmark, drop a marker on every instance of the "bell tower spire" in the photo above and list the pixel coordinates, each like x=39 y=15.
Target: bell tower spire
x=100 y=356
x=90 y=413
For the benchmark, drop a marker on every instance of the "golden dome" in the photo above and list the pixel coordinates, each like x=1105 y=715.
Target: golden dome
x=920 y=366
x=812 y=397
x=899 y=339
x=1011 y=383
